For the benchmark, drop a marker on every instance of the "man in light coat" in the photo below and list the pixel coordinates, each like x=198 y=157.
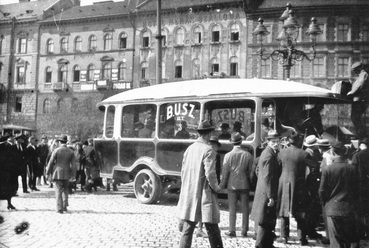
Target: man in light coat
x=237 y=168
x=198 y=198
x=62 y=168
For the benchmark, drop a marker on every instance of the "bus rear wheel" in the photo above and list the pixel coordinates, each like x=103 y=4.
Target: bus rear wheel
x=147 y=187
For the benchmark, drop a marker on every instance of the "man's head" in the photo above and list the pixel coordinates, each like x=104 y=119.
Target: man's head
x=205 y=129
x=224 y=126
x=63 y=139
x=32 y=140
x=273 y=139
x=237 y=125
x=20 y=138
x=44 y=139
x=214 y=142
x=236 y=139
x=357 y=67
x=338 y=148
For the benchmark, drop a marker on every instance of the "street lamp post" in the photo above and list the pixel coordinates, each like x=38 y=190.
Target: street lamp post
x=287 y=54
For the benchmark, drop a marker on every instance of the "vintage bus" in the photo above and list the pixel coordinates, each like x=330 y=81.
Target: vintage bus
x=140 y=141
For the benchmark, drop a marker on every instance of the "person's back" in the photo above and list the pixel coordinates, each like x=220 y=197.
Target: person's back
x=63 y=158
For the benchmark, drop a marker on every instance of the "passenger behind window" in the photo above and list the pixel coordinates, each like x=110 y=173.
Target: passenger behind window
x=225 y=135
x=148 y=129
x=167 y=129
x=138 y=126
x=182 y=133
x=237 y=126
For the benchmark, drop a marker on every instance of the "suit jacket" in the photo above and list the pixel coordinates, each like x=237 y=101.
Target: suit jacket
x=339 y=187
x=360 y=161
x=237 y=168
x=292 y=190
x=61 y=164
x=266 y=188
x=198 y=199
x=20 y=159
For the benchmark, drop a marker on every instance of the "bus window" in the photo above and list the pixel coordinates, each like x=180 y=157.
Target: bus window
x=235 y=113
x=138 y=121
x=109 y=122
x=179 y=120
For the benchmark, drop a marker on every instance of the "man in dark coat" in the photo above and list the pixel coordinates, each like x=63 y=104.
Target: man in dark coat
x=20 y=160
x=292 y=190
x=338 y=193
x=91 y=167
x=32 y=161
x=43 y=152
x=360 y=161
x=264 y=207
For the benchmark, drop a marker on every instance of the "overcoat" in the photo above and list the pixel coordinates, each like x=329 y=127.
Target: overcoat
x=198 y=198
x=61 y=164
x=292 y=189
x=360 y=160
x=266 y=187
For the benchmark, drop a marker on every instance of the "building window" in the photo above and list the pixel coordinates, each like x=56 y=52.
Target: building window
x=48 y=74
x=123 y=41
x=90 y=72
x=180 y=36
x=178 y=69
x=92 y=42
x=144 y=67
x=50 y=46
x=235 y=31
x=295 y=70
x=214 y=67
x=64 y=45
x=18 y=104
x=62 y=74
x=342 y=32
x=78 y=44
x=196 y=68
x=122 y=68
x=197 y=35
x=106 y=71
x=22 y=46
x=215 y=33
x=233 y=66
x=107 y=42
x=265 y=69
x=365 y=32
x=343 y=67
x=21 y=76
x=145 y=39
x=318 y=67
x=47 y=106
x=321 y=37
x=76 y=73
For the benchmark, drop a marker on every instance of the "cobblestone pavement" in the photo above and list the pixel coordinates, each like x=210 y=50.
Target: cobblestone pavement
x=106 y=219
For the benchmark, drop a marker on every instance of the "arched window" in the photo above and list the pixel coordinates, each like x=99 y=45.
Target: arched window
x=180 y=36
x=92 y=42
x=48 y=74
x=123 y=41
x=50 y=46
x=144 y=72
x=107 y=42
x=46 y=106
x=90 y=72
x=178 y=69
x=64 y=45
x=196 y=68
x=215 y=33
x=164 y=37
x=122 y=68
x=106 y=71
x=76 y=73
x=235 y=32
x=62 y=73
x=145 y=39
x=197 y=35
x=78 y=44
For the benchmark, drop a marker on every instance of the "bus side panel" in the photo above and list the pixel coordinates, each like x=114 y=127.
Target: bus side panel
x=130 y=151
x=106 y=155
x=169 y=155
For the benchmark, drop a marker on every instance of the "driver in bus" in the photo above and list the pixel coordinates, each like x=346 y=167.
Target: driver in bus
x=312 y=120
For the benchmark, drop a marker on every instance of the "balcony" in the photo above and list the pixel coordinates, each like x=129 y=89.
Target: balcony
x=61 y=86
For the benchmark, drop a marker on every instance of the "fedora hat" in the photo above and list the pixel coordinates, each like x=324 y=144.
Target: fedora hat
x=338 y=147
x=310 y=140
x=236 y=138
x=205 y=126
x=63 y=138
x=214 y=139
x=272 y=134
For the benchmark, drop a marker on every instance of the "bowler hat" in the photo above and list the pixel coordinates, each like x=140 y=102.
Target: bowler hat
x=272 y=134
x=205 y=126
x=311 y=140
x=338 y=147
x=214 y=139
x=63 y=138
x=356 y=65
x=236 y=138
x=224 y=126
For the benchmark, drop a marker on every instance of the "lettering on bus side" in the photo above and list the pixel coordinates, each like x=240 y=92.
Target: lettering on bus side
x=180 y=110
x=231 y=115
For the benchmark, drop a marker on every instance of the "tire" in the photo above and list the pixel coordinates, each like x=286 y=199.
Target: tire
x=147 y=187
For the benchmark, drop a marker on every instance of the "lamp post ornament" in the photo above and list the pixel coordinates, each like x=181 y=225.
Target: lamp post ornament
x=287 y=54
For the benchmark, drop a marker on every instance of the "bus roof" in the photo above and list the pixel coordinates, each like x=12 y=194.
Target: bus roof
x=221 y=86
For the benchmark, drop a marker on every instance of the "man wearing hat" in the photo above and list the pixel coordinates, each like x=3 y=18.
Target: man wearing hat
x=338 y=193
x=20 y=159
x=360 y=93
x=62 y=167
x=263 y=211
x=225 y=135
x=292 y=190
x=43 y=151
x=360 y=161
x=198 y=200
x=237 y=167
x=237 y=126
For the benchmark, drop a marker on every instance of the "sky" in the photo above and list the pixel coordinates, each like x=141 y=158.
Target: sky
x=83 y=2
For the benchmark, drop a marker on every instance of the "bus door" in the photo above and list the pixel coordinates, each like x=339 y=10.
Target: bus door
x=177 y=130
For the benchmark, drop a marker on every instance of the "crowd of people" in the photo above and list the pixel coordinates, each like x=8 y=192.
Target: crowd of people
x=63 y=163
x=318 y=182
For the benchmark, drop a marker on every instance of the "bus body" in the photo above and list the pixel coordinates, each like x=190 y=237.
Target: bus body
x=153 y=162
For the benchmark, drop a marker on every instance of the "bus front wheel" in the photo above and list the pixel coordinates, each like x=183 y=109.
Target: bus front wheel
x=147 y=187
